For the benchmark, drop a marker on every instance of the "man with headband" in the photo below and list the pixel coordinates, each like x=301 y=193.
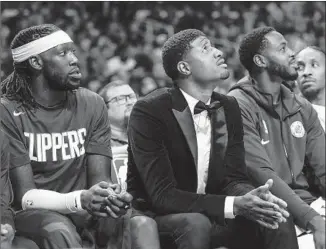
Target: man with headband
x=60 y=146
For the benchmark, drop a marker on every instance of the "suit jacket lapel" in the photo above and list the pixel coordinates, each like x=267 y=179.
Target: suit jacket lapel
x=219 y=141
x=219 y=127
x=183 y=115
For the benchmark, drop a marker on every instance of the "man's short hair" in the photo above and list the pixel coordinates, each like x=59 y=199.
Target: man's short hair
x=175 y=48
x=253 y=43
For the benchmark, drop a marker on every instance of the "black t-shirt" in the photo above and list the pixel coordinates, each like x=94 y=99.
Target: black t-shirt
x=55 y=141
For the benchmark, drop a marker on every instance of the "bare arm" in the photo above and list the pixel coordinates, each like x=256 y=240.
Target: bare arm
x=22 y=181
x=98 y=169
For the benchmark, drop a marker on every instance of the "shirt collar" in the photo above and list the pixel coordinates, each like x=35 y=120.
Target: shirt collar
x=192 y=101
x=318 y=106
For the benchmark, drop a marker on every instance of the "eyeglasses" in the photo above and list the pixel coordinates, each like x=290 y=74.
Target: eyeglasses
x=122 y=99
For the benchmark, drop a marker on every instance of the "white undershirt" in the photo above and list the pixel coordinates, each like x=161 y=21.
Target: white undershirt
x=321 y=114
x=203 y=129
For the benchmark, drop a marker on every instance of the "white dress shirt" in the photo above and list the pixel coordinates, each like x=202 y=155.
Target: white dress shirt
x=203 y=129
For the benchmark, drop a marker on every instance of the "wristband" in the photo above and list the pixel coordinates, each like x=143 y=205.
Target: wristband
x=73 y=202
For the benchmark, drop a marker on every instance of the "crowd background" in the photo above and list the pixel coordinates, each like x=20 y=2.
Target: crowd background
x=123 y=40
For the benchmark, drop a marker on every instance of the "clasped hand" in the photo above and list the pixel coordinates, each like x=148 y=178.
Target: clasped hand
x=105 y=199
x=261 y=206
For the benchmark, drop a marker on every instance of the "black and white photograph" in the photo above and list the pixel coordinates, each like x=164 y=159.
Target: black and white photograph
x=162 y=124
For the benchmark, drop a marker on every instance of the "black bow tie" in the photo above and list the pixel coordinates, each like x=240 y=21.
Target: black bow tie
x=200 y=106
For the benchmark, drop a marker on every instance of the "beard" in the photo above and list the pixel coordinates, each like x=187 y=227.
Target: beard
x=58 y=82
x=310 y=93
x=282 y=71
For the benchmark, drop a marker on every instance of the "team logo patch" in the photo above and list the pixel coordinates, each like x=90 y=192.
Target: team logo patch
x=29 y=203
x=297 y=129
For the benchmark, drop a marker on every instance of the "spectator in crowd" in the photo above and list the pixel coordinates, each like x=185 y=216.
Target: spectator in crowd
x=120 y=98
x=142 y=79
x=122 y=62
x=8 y=238
x=311 y=80
x=60 y=146
x=282 y=132
x=184 y=177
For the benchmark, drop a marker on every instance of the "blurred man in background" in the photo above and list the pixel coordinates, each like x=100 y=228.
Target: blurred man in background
x=282 y=132
x=119 y=99
x=311 y=80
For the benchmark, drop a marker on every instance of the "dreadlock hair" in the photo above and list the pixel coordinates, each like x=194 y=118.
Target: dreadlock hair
x=253 y=43
x=17 y=86
x=175 y=48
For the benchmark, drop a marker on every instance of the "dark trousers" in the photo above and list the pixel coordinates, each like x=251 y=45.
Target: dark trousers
x=196 y=231
x=52 y=230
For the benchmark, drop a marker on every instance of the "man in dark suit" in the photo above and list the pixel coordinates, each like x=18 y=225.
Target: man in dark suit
x=186 y=164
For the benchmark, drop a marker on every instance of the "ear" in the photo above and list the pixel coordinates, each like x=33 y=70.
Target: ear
x=36 y=62
x=184 y=68
x=260 y=61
